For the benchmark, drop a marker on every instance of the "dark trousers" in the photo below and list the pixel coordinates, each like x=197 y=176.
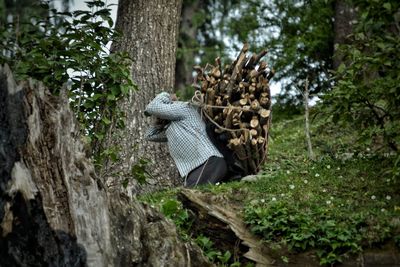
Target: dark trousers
x=212 y=171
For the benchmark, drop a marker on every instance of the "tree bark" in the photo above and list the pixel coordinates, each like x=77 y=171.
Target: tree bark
x=150 y=30
x=187 y=42
x=344 y=18
x=54 y=211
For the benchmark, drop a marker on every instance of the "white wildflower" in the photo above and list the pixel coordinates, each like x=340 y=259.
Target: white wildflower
x=340 y=176
x=383 y=210
x=324 y=190
x=338 y=168
x=388 y=197
x=317 y=175
x=288 y=172
x=262 y=200
x=305 y=181
x=274 y=199
x=373 y=197
x=328 y=202
x=217 y=183
x=282 y=195
x=331 y=198
x=328 y=166
x=291 y=186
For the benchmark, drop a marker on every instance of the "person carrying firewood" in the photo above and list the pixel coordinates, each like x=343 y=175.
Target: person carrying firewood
x=181 y=126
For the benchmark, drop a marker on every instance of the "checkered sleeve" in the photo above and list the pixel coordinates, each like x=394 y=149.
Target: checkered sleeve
x=162 y=107
x=156 y=133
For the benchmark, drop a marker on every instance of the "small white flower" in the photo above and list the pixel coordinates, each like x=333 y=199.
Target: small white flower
x=328 y=166
x=388 y=180
x=217 y=183
x=317 y=175
x=262 y=200
x=291 y=186
x=340 y=176
x=368 y=149
x=305 y=181
x=388 y=197
x=288 y=172
x=324 y=190
x=331 y=198
x=312 y=168
x=282 y=195
x=328 y=202
x=373 y=197
x=274 y=199
x=338 y=168
x=383 y=210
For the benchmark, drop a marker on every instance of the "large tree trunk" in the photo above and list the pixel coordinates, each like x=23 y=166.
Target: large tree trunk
x=149 y=36
x=53 y=209
x=187 y=43
x=344 y=19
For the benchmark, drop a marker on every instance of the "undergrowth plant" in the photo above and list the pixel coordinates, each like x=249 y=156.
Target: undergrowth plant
x=367 y=92
x=65 y=49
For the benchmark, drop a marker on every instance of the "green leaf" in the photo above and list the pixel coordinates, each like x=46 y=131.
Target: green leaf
x=170 y=207
x=106 y=121
x=110 y=97
x=341 y=68
x=387 y=6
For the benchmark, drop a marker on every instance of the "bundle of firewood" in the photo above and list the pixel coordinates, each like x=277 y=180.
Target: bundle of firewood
x=237 y=100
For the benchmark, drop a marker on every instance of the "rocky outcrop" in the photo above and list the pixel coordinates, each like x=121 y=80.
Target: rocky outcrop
x=53 y=209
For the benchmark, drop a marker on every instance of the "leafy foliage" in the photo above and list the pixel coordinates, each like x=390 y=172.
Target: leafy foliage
x=301 y=43
x=211 y=253
x=71 y=48
x=367 y=94
x=282 y=222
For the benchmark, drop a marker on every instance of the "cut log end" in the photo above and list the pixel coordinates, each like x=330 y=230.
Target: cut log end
x=242 y=88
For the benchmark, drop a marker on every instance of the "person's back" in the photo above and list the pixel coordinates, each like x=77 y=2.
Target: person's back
x=195 y=156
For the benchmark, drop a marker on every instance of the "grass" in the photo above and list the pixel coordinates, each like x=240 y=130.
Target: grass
x=345 y=201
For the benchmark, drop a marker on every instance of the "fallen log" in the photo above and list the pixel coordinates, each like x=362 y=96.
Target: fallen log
x=227 y=229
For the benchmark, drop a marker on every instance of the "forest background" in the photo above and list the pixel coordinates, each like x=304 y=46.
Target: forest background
x=346 y=51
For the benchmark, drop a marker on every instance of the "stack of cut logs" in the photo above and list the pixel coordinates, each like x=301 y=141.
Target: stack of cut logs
x=238 y=101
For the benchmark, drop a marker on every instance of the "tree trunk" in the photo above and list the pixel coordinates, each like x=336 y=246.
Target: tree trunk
x=344 y=18
x=150 y=31
x=54 y=211
x=187 y=43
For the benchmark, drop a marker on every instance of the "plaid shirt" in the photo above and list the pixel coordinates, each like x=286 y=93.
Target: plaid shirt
x=186 y=135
